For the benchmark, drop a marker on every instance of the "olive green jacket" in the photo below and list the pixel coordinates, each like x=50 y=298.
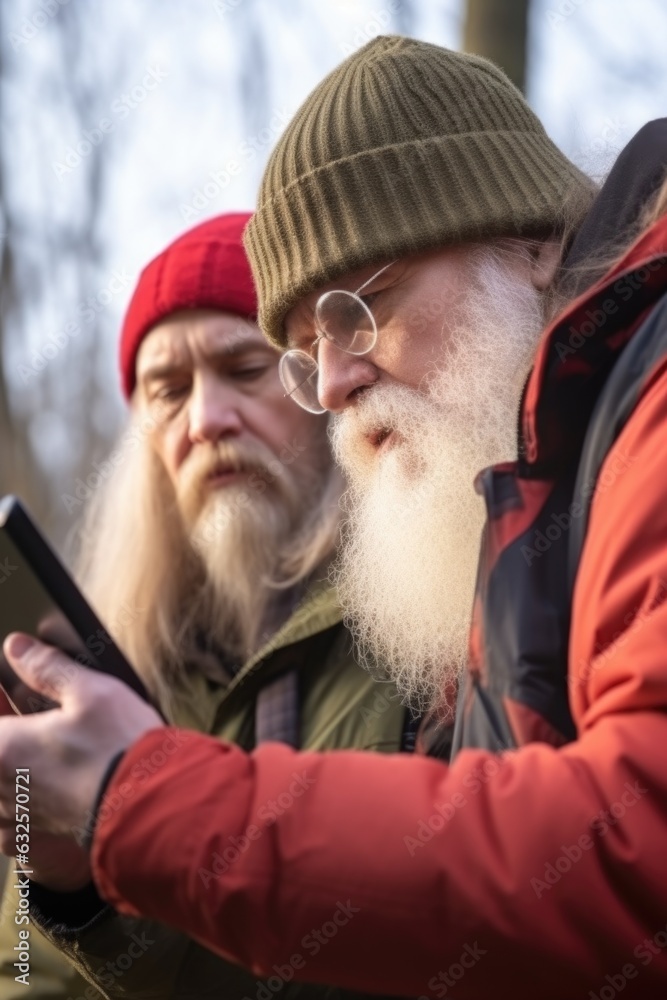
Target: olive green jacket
x=341 y=706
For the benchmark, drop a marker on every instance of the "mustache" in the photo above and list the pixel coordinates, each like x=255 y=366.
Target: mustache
x=403 y=410
x=227 y=456
x=224 y=456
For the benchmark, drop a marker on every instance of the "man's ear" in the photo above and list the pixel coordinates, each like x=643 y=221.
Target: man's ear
x=544 y=263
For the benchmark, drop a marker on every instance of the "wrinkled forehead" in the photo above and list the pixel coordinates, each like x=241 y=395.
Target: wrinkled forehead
x=207 y=333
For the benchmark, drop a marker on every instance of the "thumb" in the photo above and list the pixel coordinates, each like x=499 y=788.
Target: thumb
x=43 y=668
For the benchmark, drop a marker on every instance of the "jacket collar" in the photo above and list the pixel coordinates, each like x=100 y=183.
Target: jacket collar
x=198 y=705
x=318 y=610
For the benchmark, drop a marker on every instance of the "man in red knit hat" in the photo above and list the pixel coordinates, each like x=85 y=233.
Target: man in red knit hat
x=235 y=494
x=205 y=555
x=536 y=871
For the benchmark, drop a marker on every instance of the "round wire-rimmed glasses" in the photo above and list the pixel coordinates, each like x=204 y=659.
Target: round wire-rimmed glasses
x=344 y=319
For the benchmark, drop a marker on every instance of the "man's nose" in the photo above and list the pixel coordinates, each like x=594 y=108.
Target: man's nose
x=213 y=411
x=341 y=376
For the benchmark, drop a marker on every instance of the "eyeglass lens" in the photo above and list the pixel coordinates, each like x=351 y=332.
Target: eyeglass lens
x=346 y=321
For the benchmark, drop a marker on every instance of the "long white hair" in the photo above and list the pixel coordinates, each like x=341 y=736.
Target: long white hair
x=159 y=584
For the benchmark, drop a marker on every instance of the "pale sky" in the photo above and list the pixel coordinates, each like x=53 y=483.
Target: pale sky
x=597 y=73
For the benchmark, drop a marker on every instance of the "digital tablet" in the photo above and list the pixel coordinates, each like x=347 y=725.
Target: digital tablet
x=39 y=597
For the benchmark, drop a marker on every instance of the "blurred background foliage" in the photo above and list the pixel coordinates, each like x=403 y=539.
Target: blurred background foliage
x=124 y=122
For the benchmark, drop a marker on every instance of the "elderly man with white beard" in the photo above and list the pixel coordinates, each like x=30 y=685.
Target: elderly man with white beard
x=205 y=553
x=414 y=197
x=411 y=446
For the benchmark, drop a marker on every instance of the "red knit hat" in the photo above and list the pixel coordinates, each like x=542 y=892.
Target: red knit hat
x=206 y=268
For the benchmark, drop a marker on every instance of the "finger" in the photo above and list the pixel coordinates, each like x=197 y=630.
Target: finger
x=43 y=668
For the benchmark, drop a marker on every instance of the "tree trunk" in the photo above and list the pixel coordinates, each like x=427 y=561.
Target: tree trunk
x=498 y=30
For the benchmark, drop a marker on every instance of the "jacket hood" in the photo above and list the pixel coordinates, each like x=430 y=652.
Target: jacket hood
x=578 y=350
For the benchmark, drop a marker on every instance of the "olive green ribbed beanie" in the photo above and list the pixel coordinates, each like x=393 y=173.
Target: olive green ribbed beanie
x=404 y=147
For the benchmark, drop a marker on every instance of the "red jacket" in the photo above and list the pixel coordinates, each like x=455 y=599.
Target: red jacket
x=537 y=873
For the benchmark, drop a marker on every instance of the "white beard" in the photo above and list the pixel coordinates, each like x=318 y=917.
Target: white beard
x=191 y=563
x=241 y=534
x=241 y=545
x=407 y=570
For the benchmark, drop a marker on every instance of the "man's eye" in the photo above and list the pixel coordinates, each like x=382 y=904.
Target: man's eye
x=250 y=373
x=170 y=393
